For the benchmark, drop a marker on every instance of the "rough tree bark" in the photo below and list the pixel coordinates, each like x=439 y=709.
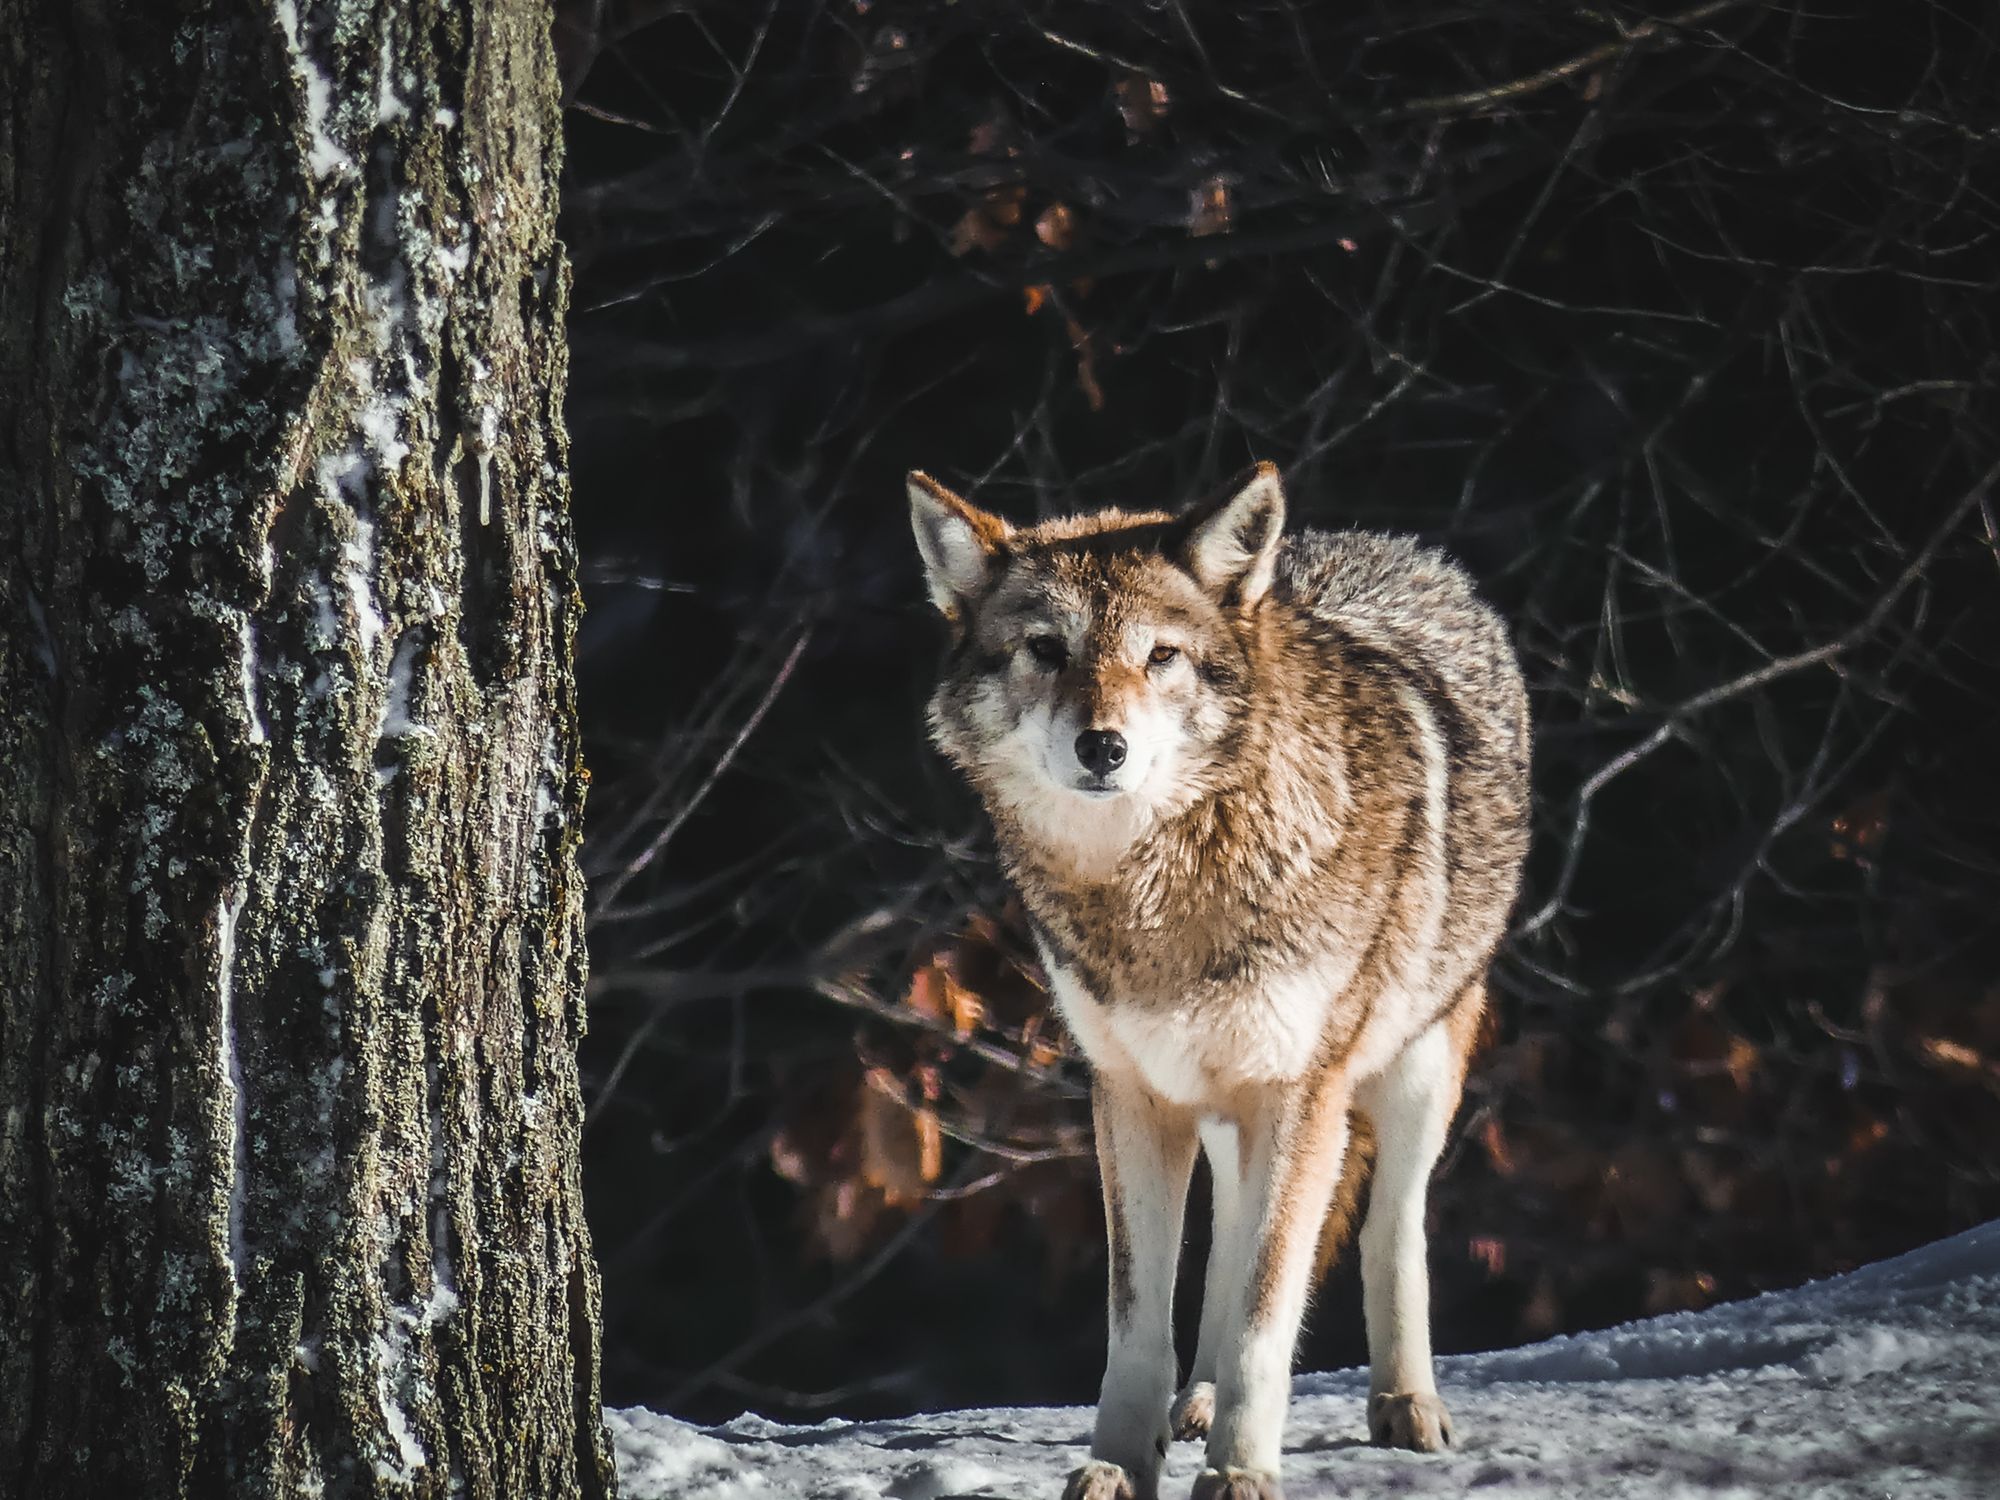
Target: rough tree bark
x=291 y=963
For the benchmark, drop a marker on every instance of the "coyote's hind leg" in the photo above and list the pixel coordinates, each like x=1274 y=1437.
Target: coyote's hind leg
x=1410 y=1105
x=1194 y=1408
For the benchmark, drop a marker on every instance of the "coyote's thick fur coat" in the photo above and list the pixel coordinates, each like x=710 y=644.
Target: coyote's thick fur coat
x=1265 y=800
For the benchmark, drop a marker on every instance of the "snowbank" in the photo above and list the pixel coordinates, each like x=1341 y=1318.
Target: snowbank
x=1880 y=1383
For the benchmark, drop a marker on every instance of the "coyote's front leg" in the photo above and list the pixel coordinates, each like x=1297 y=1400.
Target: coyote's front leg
x=1145 y=1153
x=1292 y=1145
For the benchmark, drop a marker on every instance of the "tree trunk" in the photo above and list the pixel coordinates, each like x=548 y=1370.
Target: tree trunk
x=291 y=958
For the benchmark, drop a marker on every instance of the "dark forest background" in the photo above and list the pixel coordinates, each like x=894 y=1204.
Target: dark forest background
x=1677 y=327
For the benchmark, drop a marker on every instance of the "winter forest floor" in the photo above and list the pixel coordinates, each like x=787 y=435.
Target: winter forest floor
x=1878 y=1383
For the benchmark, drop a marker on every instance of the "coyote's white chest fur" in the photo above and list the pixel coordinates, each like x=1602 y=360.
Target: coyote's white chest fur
x=1274 y=1031
x=1192 y=1053
x=1265 y=802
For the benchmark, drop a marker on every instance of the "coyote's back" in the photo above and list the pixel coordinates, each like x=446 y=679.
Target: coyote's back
x=1413 y=613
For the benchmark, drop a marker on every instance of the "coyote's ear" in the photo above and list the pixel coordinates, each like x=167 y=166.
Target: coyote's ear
x=960 y=543
x=1231 y=541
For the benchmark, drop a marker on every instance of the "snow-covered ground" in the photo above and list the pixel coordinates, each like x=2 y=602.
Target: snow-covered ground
x=1878 y=1384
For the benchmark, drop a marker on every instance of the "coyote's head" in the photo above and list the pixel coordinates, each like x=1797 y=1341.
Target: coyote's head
x=1100 y=665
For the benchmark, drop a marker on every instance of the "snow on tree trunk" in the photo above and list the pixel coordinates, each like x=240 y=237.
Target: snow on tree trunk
x=291 y=960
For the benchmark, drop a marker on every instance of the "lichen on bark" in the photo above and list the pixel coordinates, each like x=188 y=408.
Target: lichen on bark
x=291 y=955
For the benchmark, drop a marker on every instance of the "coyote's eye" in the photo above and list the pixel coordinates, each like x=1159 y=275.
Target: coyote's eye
x=1049 y=650
x=1159 y=656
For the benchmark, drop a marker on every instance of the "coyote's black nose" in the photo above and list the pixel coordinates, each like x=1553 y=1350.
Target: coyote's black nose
x=1102 y=751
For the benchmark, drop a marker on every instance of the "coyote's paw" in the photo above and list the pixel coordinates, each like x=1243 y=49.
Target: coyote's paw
x=1193 y=1410
x=1416 y=1421
x=1098 y=1480
x=1236 y=1484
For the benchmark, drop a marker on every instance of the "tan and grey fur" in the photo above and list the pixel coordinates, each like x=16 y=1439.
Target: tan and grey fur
x=1266 y=903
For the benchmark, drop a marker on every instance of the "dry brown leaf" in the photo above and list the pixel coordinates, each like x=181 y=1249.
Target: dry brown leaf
x=788 y=1159
x=1142 y=102
x=1868 y=1132
x=1086 y=365
x=974 y=231
x=1004 y=204
x=930 y=1145
x=1741 y=1062
x=1953 y=1055
x=901 y=1146
x=1056 y=226
x=1490 y=1251
x=964 y=1008
x=925 y=995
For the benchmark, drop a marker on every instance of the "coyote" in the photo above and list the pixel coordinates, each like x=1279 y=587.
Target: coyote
x=1265 y=802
